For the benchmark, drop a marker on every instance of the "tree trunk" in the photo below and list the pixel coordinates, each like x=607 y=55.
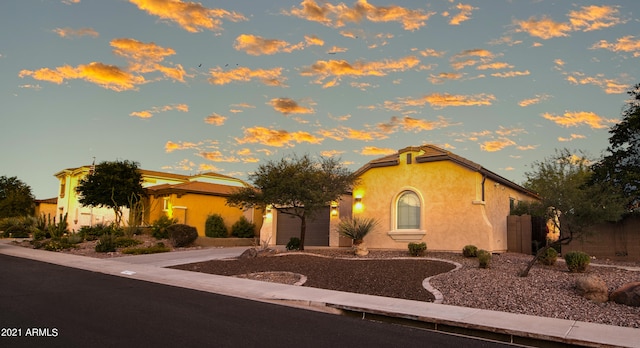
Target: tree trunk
x=303 y=230
x=525 y=272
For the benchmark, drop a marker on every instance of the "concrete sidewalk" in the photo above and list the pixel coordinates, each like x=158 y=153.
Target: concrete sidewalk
x=506 y=327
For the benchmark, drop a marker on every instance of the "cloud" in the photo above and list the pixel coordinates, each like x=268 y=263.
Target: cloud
x=572 y=137
x=538 y=99
x=257 y=46
x=337 y=15
x=336 y=69
x=331 y=153
x=439 y=101
x=494 y=66
x=410 y=124
x=269 y=77
x=610 y=86
x=376 y=151
x=107 y=76
x=217 y=156
x=432 y=53
x=156 y=109
x=288 y=106
x=468 y=58
x=463 y=15
x=574 y=119
x=215 y=119
x=442 y=77
x=170 y=146
x=624 y=44
x=146 y=57
x=587 y=18
x=511 y=73
x=276 y=138
x=496 y=145
x=190 y=16
x=69 y=32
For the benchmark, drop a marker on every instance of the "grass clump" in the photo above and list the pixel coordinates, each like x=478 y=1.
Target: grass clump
x=417 y=249
x=158 y=248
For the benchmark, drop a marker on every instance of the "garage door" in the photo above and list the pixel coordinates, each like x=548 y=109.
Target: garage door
x=317 y=233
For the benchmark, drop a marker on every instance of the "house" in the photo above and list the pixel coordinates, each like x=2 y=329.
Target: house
x=190 y=199
x=419 y=194
x=46 y=207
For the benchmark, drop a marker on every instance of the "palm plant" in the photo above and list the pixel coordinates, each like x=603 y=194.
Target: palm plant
x=356 y=228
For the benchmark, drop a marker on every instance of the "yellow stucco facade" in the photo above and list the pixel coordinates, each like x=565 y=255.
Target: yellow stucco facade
x=459 y=201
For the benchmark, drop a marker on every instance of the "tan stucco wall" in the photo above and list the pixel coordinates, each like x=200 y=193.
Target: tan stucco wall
x=193 y=210
x=452 y=213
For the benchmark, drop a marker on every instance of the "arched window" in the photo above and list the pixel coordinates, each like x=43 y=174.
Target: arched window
x=408 y=211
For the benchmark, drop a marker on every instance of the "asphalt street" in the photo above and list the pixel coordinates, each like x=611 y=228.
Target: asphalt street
x=45 y=305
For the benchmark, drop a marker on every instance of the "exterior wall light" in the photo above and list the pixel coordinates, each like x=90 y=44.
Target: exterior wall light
x=269 y=214
x=334 y=208
x=358 y=204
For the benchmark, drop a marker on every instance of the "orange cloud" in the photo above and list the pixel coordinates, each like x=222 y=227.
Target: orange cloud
x=610 y=86
x=170 y=146
x=146 y=57
x=545 y=28
x=376 y=151
x=511 y=73
x=439 y=101
x=410 y=124
x=624 y=44
x=536 y=100
x=313 y=41
x=337 y=15
x=257 y=46
x=69 y=32
x=270 y=77
x=217 y=156
x=331 y=153
x=289 y=106
x=574 y=119
x=215 y=119
x=431 y=53
x=190 y=16
x=155 y=110
x=339 y=68
x=276 y=138
x=572 y=137
x=107 y=76
x=442 y=77
x=463 y=15
x=494 y=66
x=593 y=17
x=496 y=145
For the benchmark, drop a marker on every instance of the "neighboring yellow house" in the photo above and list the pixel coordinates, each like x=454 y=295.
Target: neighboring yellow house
x=192 y=202
x=427 y=194
x=46 y=207
x=195 y=195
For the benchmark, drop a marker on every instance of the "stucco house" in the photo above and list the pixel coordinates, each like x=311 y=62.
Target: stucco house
x=190 y=199
x=420 y=194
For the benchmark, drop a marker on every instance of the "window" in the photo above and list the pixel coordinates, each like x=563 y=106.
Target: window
x=408 y=211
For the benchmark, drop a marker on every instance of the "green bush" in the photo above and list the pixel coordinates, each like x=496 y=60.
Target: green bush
x=417 y=249
x=294 y=243
x=214 y=227
x=106 y=244
x=243 y=228
x=158 y=248
x=96 y=231
x=549 y=257
x=356 y=228
x=55 y=245
x=16 y=231
x=39 y=234
x=181 y=235
x=577 y=261
x=125 y=242
x=470 y=251
x=159 y=227
x=484 y=258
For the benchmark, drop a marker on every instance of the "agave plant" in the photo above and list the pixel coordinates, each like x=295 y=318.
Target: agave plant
x=356 y=228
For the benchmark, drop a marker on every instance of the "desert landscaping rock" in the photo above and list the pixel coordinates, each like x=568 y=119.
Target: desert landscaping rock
x=628 y=294
x=592 y=288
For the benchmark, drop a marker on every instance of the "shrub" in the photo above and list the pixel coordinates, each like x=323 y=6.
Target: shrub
x=549 y=257
x=484 y=258
x=124 y=242
x=577 y=261
x=470 y=251
x=96 y=231
x=181 y=235
x=356 y=228
x=214 y=227
x=294 y=244
x=243 y=228
x=158 y=248
x=16 y=231
x=106 y=244
x=55 y=245
x=417 y=249
x=159 y=227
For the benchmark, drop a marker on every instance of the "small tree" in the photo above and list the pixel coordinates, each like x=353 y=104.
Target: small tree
x=297 y=186
x=114 y=185
x=214 y=227
x=570 y=199
x=16 y=198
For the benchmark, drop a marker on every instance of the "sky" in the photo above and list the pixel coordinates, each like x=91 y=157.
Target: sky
x=225 y=86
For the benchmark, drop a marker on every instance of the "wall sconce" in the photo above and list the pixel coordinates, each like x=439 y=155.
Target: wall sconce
x=358 y=203
x=334 y=209
x=269 y=215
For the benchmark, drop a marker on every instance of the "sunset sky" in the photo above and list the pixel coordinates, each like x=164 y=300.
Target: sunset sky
x=223 y=86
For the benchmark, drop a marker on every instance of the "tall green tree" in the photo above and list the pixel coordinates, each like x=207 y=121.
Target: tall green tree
x=570 y=198
x=621 y=166
x=16 y=198
x=298 y=186
x=114 y=185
